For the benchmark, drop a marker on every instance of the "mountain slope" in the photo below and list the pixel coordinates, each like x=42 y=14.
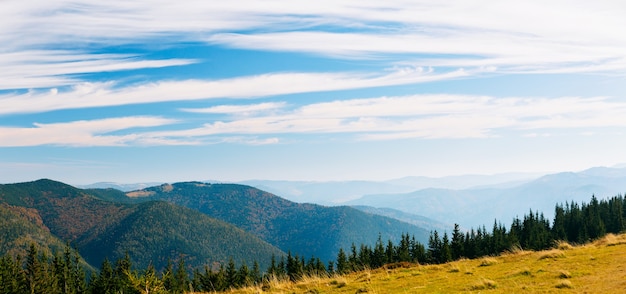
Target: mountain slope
x=157 y=231
x=68 y=212
x=151 y=232
x=22 y=226
x=305 y=229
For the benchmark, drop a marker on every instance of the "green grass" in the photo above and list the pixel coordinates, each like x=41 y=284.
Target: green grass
x=599 y=267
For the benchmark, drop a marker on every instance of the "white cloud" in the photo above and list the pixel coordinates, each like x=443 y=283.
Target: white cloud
x=529 y=36
x=238 y=109
x=106 y=94
x=53 y=68
x=423 y=116
x=84 y=133
x=383 y=118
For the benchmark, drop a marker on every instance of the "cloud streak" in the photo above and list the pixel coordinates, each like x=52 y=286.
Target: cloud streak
x=106 y=94
x=84 y=133
x=521 y=37
x=422 y=116
x=384 y=118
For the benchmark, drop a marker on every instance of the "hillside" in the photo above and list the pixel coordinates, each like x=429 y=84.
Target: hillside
x=157 y=231
x=592 y=268
x=305 y=229
x=22 y=226
x=50 y=211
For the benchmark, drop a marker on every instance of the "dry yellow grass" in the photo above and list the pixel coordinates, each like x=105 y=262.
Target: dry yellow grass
x=599 y=267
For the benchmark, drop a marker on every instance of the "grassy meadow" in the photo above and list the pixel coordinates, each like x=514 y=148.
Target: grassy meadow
x=598 y=267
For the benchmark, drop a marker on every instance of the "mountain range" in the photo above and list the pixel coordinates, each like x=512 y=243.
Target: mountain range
x=337 y=192
x=302 y=228
x=475 y=207
x=204 y=223
x=150 y=232
x=470 y=200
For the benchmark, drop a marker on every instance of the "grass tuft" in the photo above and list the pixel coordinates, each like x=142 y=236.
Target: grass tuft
x=339 y=282
x=454 y=269
x=563 y=274
x=610 y=240
x=564 y=245
x=564 y=284
x=487 y=261
x=516 y=250
x=552 y=254
x=525 y=272
x=484 y=284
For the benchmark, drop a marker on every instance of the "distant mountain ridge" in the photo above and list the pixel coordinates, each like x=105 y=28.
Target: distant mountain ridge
x=118 y=186
x=337 y=192
x=481 y=206
x=204 y=222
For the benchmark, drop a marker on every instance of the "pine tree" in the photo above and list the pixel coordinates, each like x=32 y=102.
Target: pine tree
x=104 y=281
x=434 y=247
x=558 y=226
x=379 y=258
x=403 y=250
x=34 y=270
x=169 y=281
x=243 y=276
x=272 y=270
x=342 y=262
x=12 y=277
x=231 y=273
x=457 y=243
x=390 y=252
x=255 y=274
x=418 y=252
x=181 y=277
x=122 y=268
x=446 y=252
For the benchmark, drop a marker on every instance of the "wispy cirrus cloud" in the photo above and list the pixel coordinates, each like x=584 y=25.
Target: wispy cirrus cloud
x=85 y=133
x=238 y=109
x=56 y=68
x=106 y=94
x=383 y=118
x=521 y=37
x=422 y=116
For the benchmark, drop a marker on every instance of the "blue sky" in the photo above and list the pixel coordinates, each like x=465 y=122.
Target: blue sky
x=135 y=91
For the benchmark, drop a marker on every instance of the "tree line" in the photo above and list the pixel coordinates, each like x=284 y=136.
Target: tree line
x=573 y=222
x=65 y=272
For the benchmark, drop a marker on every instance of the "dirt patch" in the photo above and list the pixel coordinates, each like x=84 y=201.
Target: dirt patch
x=140 y=193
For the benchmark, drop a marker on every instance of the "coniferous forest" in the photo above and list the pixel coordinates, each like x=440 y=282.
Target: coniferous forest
x=65 y=272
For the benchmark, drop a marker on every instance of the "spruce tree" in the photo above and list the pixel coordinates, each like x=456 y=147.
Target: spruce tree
x=342 y=262
x=457 y=243
x=446 y=252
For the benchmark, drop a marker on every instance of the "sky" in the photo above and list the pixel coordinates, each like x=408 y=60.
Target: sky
x=166 y=91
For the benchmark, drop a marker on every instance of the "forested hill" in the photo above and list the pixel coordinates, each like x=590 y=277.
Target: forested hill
x=305 y=229
x=51 y=213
